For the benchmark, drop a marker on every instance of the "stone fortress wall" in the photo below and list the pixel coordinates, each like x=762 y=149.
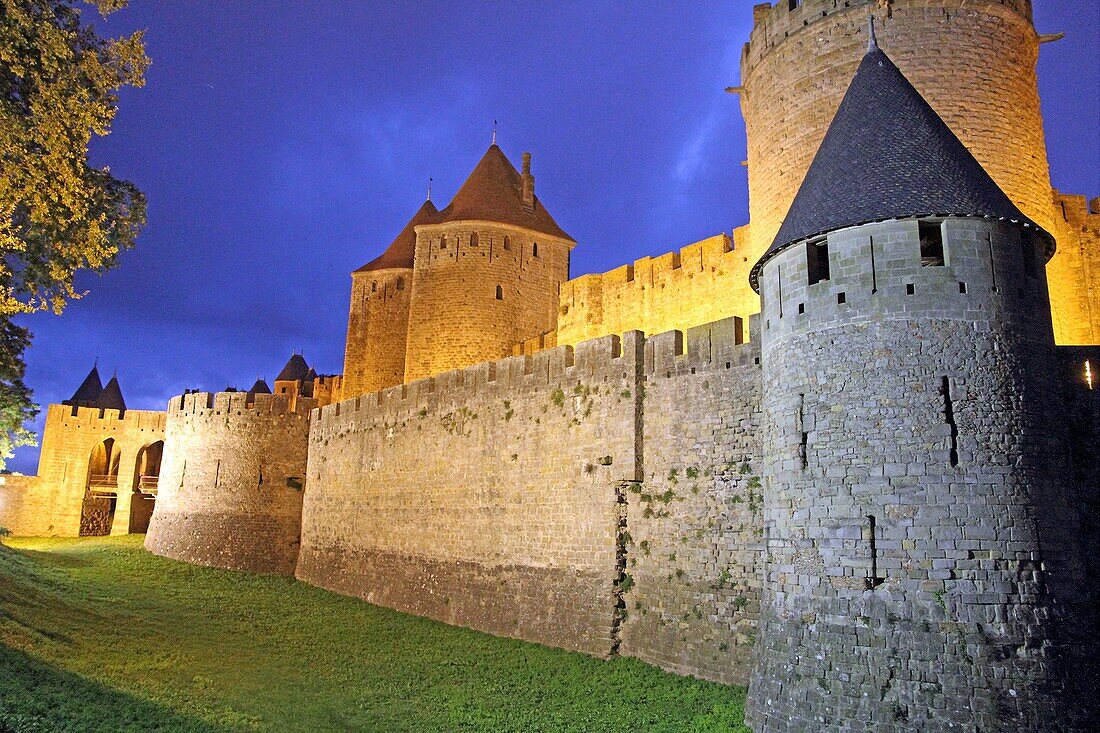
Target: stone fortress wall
x=574 y=498
x=232 y=482
x=60 y=500
x=378 y=326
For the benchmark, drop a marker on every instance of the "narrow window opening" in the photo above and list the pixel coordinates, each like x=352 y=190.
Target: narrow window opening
x=500 y=293
x=841 y=298
x=801 y=427
x=801 y=308
x=1028 y=252
x=949 y=418
x=793 y=4
x=817 y=261
x=534 y=249
x=873 y=580
x=931 y=244
x=261 y=482
x=779 y=277
x=910 y=289
x=443 y=243
x=1088 y=373
x=507 y=242
x=400 y=283
x=1065 y=216
x=374 y=286
x=474 y=240
x=962 y=288
x=992 y=264
x=874 y=273
x=738 y=330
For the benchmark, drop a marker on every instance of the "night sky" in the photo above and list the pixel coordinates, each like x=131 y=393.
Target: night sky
x=282 y=145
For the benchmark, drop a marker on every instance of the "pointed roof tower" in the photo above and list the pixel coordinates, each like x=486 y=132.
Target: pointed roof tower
x=111 y=397
x=260 y=387
x=888 y=155
x=88 y=391
x=296 y=370
x=400 y=252
x=497 y=192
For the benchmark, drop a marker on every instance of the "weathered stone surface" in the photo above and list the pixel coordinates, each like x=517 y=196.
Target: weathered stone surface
x=231 y=484
x=923 y=568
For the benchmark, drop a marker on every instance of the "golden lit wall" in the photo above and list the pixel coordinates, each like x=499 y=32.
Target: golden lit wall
x=50 y=504
x=378 y=325
x=701 y=283
x=1074 y=273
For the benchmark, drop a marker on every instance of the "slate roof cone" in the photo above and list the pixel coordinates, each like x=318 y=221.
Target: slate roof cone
x=400 y=252
x=888 y=155
x=296 y=370
x=494 y=192
x=260 y=387
x=111 y=397
x=88 y=392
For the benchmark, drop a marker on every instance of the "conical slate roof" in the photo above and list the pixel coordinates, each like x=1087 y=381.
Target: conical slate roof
x=111 y=397
x=888 y=155
x=88 y=392
x=494 y=192
x=400 y=252
x=296 y=370
x=260 y=387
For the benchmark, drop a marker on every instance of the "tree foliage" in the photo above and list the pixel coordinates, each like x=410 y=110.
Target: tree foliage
x=58 y=214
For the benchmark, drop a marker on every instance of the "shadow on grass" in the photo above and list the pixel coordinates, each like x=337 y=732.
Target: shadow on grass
x=36 y=697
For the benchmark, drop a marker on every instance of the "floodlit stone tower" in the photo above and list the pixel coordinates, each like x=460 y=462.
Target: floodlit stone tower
x=919 y=526
x=231 y=487
x=486 y=271
x=972 y=60
x=378 y=322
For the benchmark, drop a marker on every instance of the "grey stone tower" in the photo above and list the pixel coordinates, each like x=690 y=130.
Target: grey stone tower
x=920 y=558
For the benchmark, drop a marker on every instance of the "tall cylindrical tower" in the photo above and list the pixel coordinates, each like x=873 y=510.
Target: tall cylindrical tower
x=230 y=489
x=972 y=60
x=487 y=273
x=920 y=570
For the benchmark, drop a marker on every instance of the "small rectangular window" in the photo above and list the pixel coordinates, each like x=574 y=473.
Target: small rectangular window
x=817 y=261
x=931 y=244
x=841 y=298
x=1027 y=247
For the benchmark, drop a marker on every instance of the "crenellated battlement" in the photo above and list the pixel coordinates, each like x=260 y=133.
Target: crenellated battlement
x=697 y=284
x=1077 y=210
x=715 y=345
x=772 y=24
x=97 y=417
x=227 y=403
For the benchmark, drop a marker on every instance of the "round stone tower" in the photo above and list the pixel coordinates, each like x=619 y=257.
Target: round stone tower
x=378 y=320
x=486 y=273
x=972 y=60
x=230 y=488
x=920 y=569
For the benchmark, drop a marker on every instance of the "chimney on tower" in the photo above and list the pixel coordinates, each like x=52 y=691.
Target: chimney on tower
x=528 y=184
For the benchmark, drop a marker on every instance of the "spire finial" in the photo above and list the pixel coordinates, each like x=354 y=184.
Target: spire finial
x=872 y=42
x=494 y=132
x=429 y=188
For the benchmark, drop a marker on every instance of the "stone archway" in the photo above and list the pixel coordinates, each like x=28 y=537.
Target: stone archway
x=97 y=512
x=146 y=480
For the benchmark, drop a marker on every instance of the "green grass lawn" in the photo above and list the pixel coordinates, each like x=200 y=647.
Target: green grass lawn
x=98 y=635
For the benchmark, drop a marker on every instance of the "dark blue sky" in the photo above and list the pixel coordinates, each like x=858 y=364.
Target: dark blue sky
x=283 y=144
